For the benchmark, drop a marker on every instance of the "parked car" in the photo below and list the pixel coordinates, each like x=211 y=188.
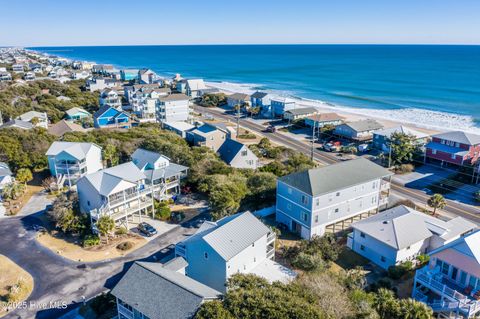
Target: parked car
x=147 y=229
x=271 y=129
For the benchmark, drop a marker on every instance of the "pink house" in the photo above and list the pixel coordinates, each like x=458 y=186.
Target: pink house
x=456 y=147
x=450 y=283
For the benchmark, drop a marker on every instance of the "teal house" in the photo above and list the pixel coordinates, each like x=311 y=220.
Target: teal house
x=77 y=113
x=129 y=74
x=110 y=117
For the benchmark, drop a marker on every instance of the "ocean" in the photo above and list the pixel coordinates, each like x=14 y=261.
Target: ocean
x=435 y=86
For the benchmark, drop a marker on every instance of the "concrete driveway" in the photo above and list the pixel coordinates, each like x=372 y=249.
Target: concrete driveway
x=37 y=203
x=160 y=226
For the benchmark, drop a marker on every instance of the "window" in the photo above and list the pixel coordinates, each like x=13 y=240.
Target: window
x=442 y=141
x=383 y=259
x=408 y=247
x=362 y=247
x=463 y=278
x=205 y=254
x=445 y=268
x=254 y=259
x=317 y=202
x=374 y=185
x=304 y=200
x=454 y=156
x=289 y=190
x=434 y=152
x=316 y=219
x=88 y=202
x=362 y=235
x=304 y=216
x=336 y=210
x=472 y=281
x=253 y=244
x=457 y=144
x=244 y=153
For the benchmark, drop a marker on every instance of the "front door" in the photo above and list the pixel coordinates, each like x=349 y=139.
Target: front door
x=454 y=273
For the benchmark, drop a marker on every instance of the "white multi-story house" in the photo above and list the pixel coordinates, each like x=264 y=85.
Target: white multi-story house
x=194 y=88
x=402 y=233
x=119 y=192
x=69 y=161
x=160 y=291
x=240 y=243
x=99 y=84
x=330 y=198
x=110 y=97
x=173 y=108
x=450 y=283
x=163 y=176
x=37 y=119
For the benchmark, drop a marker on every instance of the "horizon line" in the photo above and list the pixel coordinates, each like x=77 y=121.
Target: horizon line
x=245 y=44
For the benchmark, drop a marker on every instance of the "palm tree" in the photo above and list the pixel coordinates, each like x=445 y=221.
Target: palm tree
x=412 y=309
x=386 y=304
x=437 y=201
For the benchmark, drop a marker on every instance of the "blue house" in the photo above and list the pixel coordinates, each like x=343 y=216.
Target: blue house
x=280 y=105
x=260 y=99
x=129 y=74
x=110 y=117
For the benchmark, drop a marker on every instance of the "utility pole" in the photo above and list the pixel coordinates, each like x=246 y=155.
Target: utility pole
x=238 y=118
x=389 y=154
x=313 y=138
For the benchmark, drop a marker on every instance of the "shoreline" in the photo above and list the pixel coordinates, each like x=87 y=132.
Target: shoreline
x=424 y=120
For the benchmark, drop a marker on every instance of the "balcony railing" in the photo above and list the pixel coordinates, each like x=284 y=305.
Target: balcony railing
x=270 y=251
x=271 y=237
x=384 y=186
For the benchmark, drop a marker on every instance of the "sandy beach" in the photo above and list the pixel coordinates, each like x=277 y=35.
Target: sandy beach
x=350 y=114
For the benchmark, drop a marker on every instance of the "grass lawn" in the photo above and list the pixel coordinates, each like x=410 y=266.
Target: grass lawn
x=12 y=275
x=71 y=247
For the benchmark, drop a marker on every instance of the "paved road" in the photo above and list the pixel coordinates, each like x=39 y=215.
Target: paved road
x=57 y=279
x=454 y=208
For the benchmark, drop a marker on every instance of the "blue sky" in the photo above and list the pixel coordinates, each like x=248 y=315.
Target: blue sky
x=120 y=22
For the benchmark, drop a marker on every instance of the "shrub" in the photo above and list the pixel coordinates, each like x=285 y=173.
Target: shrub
x=307 y=262
x=121 y=231
x=162 y=211
x=398 y=271
x=423 y=259
x=91 y=240
x=126 y=245
x=247 y=136
x=404 y=168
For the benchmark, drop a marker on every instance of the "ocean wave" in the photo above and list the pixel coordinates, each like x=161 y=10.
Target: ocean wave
x=427 y=119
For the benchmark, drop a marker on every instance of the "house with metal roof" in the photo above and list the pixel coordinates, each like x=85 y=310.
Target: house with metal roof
x=381 y=138
x=160 y=291
x=119 y=192
x=279 y=105
x=23 y=125
x=208 y=135
x=359 y=130
x=110 y=117
x=321 y=119
x=179 y=128
x=191 y=87
x=450 y=283
x=300 y=113
x=402 y=233
x=238 y=155
x=76 y=114
x=260 y=99
x=239 y=243
x=69 y=161
x=37 y=119
x=147 y=76
x=161 y=174
x=240 y=99
x=456 y=147
x=331 y=198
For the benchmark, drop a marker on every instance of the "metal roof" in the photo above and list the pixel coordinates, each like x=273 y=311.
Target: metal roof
x=78 y=150
x=161 y=293
x=364 y=125
x=232 y=234
x=4 y=169
x=230 y=149
x=259 y=95
x=327 y=179
x=303 y=111
x=174 y=97
x=459 y=137
x=400 y=129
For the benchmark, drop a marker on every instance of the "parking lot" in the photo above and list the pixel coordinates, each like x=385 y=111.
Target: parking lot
x=160 y=226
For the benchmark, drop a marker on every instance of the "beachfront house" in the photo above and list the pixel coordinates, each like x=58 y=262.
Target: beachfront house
x=402 y=233
x=323 y=119
x=110 y=117
x=129 y=74
x=382 y=138
x=450 y=283
x=163 y=176
x=160 y=291
x=110 y=97
x=240 y=243
x=69 y=161
x=147 y=76
x=179 y=128
x=360 y=131
x=18 y=68
x=300 y=113
x=238 y=99
x=279 y=105
x=37 y=119
x=194 y=88
x=6 y=176
x=29 y=76
x=119 y=192
x=77 y=114
x=237 y=155
x=260 y=99
x=455 y=148
x=173 y=108
x=331 y=198
x=62 y=127
x=208 y=135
